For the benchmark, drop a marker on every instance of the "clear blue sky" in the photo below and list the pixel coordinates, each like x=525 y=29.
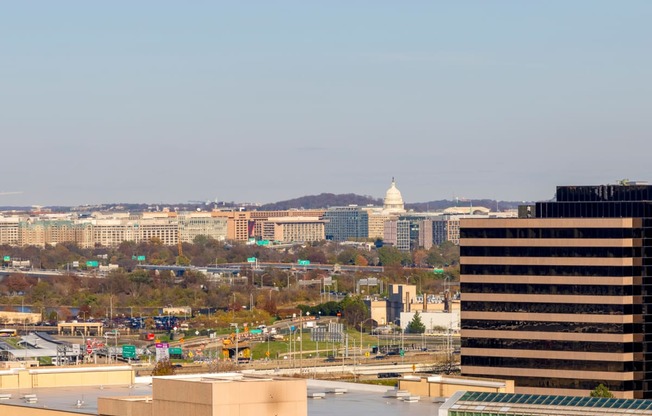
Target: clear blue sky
x=155 y=101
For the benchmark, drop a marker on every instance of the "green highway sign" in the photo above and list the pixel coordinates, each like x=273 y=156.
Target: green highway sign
x=303 y=262
x=175 y=351
x=262 y=242
x=140 y=258
x=402 y=353
x=251 y=259
x=6 y=258
x=438 y=271
x=92 y=263
x=128 y=351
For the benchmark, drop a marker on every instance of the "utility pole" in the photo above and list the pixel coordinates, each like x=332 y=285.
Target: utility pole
x=301 y=341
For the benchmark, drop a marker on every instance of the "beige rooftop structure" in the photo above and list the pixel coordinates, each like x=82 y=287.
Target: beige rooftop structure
x=112 y=391
x=217 y=394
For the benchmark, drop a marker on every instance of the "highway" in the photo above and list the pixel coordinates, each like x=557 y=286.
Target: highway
x=233 y=268
x=260 y=266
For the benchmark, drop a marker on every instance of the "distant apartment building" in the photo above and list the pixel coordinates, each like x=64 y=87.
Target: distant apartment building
x=397 y=233
x=163 y=230
x=346 y=223
x=426 y=234
x=376 y=222
x=446 y=228
x=109 y=232
x=291 y=229
x=260 y=217
x=194 y=224
x=9 y=230
x=43 y=232
x=239 y=226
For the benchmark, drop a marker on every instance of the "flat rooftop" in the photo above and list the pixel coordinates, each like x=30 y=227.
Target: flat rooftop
x=362 y=399
x=66 y=398
x=359 y=399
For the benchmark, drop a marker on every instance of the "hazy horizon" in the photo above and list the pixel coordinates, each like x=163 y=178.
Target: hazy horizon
x=163 y=102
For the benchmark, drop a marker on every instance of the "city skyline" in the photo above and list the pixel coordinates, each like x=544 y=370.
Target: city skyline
x=157 y=102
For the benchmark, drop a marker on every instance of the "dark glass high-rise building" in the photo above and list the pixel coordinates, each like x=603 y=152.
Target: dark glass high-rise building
x=346 y=223
x=560 y=301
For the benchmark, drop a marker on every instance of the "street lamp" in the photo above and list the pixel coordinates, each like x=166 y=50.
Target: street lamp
x=317 y=336
x=290 y=339
x=361 y=330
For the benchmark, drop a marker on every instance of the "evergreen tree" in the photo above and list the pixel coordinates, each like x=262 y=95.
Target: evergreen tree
x=601 y=391
x=416 y=326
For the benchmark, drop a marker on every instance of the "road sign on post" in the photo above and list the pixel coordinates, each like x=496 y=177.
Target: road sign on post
x=438 y=271
x=251 y=259
x=162 y=351
x=92 y=263
x=140 y=258
x=303 y=262
x=6 y=258
x=128 y=351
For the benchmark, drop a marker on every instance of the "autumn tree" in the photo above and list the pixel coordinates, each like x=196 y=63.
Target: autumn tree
x=360 y=260
x=391 y=256
x=354 y=310
x=163 y=368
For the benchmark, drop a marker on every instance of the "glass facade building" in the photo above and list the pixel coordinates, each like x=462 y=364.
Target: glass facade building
x=346 y=223
x=559 y=301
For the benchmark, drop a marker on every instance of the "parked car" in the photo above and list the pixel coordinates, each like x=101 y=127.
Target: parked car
x=389 y=375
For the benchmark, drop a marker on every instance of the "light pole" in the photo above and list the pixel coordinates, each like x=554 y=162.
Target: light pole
x=290 y=339
x=234 y=306
x=317 y=336
x=361 y=330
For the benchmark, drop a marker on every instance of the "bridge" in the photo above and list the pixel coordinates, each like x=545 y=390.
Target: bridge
x=4 y=272
x=261 y=266
x=226 y=268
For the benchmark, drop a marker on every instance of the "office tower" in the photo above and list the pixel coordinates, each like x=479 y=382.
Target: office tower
x=560 y=302
x=346 y=223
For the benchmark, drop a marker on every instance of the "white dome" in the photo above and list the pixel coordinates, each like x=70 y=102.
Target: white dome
x=393 y=200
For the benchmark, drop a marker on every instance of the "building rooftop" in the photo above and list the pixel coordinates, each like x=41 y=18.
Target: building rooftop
x=82 y=400
x=358 y=399
x=364 y=399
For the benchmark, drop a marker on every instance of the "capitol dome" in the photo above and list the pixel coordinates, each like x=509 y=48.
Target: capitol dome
x=393 y=202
